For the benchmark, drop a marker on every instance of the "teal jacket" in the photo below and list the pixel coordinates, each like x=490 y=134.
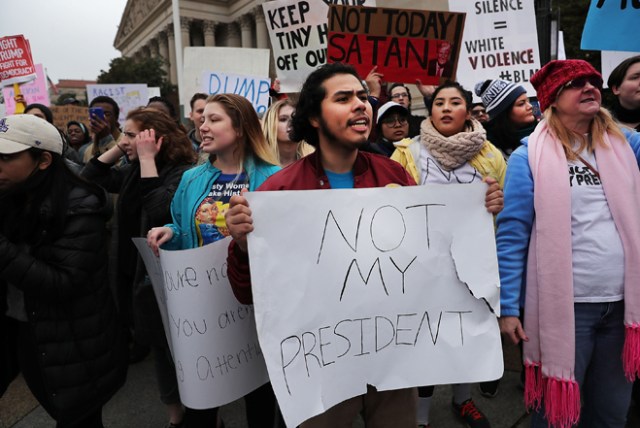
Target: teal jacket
x=194 y=187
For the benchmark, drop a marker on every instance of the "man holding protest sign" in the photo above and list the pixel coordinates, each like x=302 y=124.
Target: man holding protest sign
x=333 y=115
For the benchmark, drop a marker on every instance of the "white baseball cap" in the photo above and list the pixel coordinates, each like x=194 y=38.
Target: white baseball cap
x=389 y=105
x=20 y=132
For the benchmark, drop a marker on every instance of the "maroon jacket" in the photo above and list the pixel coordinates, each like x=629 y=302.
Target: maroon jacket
x=369 y=170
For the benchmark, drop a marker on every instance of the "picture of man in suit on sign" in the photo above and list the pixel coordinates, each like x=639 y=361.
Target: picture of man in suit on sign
x=441 y=66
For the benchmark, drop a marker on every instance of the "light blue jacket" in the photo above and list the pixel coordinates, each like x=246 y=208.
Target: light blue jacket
x=195 y=185
x=515 y=222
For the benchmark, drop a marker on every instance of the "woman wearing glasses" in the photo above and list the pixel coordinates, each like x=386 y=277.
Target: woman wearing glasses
x=568 y=248
x=452 y=148
x=392 y=125
x=398 y=93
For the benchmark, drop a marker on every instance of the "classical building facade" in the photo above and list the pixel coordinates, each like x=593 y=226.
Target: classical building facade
x=146 y=28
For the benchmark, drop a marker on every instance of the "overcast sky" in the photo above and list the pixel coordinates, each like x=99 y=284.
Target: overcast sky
x=73 y=39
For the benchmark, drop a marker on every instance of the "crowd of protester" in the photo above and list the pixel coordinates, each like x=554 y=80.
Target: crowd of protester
x=564 y=190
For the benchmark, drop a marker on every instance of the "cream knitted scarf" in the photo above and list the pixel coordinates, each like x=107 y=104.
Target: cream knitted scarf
x=452 y=152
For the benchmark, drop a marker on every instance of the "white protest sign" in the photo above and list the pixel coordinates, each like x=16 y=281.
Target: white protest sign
x=298 y=32
x=214 y=343
x=390 y=287
x=127 y=95
x=611 y=59
x=255 y=89
x=197 y=60
x=500 y=41
x=153 y=91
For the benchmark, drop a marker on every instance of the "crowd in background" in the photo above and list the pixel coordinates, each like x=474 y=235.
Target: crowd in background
x=564 y=187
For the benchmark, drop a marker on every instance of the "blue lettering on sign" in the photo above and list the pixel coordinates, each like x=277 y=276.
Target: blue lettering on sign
x=109 y=92
x=255 y=90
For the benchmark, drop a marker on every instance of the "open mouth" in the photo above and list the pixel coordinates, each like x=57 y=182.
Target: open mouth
x=361 y=124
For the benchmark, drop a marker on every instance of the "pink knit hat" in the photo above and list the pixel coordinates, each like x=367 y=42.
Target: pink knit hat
x=549 y=79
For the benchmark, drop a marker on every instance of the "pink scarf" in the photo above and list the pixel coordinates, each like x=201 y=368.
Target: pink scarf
x=549 y=356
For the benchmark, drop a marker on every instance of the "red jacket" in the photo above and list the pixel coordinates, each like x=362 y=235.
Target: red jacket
x=369 y=170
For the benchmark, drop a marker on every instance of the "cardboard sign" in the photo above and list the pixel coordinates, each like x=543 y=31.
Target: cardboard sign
x=213 y=337
x=500 y=41
x=255 y=89
x=298 y=32
x=34 y=91
x=16 y=64
x=392 y=287
x=65 y=114
x=127 y=95
x=405 y=44
x=612 y=25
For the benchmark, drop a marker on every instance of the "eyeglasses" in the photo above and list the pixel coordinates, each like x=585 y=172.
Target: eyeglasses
x=391 y=120
x=580 y=82
x=400 y=95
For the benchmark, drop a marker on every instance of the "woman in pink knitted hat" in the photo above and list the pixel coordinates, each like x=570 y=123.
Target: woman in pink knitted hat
x=568 y=248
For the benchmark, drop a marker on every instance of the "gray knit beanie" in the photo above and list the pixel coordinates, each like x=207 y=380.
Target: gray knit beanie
x=498 y=95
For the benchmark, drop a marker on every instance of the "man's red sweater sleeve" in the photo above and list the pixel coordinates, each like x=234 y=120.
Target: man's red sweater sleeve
x=239 y=274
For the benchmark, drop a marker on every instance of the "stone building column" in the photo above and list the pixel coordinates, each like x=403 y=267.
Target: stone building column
x=163 y=50
x=233 y=35
x=155 y=49
x=209 y=30
x=173 y=69
x=246 y=25
x=262 y=33
x=185 y=24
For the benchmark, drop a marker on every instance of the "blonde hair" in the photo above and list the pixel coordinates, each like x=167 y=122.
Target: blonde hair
x=246 y=122
x=270 y=129
x=601 y=124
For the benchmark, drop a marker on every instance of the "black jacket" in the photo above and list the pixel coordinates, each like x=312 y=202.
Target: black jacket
x=82 y=354
x=143 y=203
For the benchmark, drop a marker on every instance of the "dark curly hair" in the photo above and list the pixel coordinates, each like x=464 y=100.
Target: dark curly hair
x=311 y=96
